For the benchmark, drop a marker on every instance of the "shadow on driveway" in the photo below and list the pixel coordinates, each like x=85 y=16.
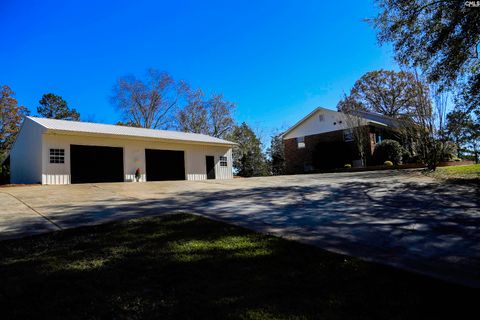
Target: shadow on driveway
x=430 y=228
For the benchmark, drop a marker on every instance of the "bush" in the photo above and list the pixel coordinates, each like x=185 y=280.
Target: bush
x=407 y=156
x=449 y=151
x=388 y=150
x=347 y=166
x=388 y=163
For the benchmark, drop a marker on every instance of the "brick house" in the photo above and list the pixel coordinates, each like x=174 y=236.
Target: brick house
x=324 y=140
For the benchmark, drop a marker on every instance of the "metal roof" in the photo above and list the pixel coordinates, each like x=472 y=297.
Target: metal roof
x=378 y=118
x=65 y=126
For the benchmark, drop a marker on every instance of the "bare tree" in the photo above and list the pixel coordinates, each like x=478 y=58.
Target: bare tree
x=194 y=116
x=221 y=121
x=211 y=116
x=150 y=102
x=426 y=124
x=357 y=128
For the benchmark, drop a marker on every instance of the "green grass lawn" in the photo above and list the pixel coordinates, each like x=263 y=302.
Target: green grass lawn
x=469 y=172
x=185 y=267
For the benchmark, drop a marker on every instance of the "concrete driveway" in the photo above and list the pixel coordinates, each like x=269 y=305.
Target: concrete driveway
x=397 y=218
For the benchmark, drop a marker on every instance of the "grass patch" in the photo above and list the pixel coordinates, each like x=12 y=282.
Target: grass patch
x=187 y=267
x=469 y=172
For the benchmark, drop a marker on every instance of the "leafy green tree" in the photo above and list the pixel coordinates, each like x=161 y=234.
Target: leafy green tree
x=464 y=130
x=473 y=140
x=439 y=37
x=276 y=153
x=53 y=106
x=463 y=125
x=11 y=118
x=458 y=128
x=386 y=92
x=248 y=158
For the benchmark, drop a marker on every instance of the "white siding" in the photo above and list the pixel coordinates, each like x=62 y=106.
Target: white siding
x=26 y=154
x=313 y=125
x=134 y=156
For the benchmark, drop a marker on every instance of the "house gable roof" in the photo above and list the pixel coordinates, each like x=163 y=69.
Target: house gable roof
x=372 y=118
x=77 y=127
x=308 y=116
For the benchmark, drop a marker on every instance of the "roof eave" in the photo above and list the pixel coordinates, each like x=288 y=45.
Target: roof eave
x=300 y=122
x=135 y=137
x=305 y=119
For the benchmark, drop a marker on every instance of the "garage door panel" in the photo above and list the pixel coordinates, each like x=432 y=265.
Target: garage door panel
x=90 y=164
x=162 y=165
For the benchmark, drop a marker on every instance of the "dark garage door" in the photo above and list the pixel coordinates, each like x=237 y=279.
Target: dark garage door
x=90 y=164
x=164 y=165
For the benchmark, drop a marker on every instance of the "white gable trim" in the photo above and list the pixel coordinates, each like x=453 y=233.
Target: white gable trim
x=333 y=121
x=311 y=124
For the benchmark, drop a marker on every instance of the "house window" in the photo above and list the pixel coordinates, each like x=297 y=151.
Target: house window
x=57 y=155
x=321 y=117
x=301 y=142
x=223 y=161
x=348 y=135
x=378 y=138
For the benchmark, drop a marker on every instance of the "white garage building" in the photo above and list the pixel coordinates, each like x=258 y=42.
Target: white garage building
x=52 y=151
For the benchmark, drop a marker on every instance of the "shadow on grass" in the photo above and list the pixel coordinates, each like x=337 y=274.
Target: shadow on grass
x=185 y=267
x=474 y=182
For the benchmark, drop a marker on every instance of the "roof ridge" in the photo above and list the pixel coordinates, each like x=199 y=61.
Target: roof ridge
x=117 y=125
x=79 y=126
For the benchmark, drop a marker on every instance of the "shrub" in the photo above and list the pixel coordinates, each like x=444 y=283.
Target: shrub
x=347 y=166
x=449 y=151
x=388 y=163
x=390 y=150
x=407 y=156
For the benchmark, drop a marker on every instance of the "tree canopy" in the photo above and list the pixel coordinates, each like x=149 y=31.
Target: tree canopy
x=386 y=92
x=11 y=117
x=248 y=158
x=464 y=130
x=150 y=102
x=439 y=37
x=211 y=116
x=55 y=107
x=276 y=153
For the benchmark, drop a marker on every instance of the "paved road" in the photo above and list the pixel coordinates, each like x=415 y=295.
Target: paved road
x=398 y=218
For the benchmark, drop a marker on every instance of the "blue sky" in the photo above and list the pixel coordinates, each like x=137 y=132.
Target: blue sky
x=277 y=60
